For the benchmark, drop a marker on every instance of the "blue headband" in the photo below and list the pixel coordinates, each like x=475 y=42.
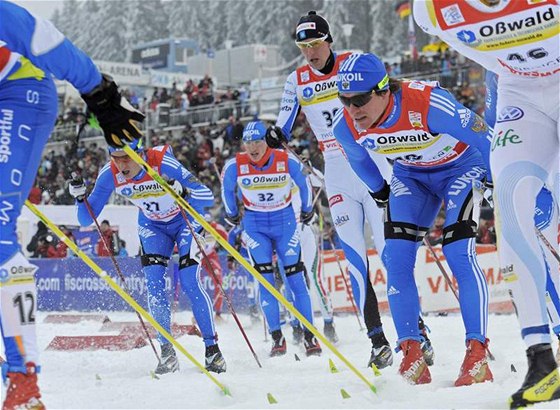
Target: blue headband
x=254 y=131
x=361 y=73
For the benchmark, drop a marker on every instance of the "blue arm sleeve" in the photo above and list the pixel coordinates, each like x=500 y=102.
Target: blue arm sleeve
x=229 y=184
x=38 y=40
x=448 y=116
x=358 y=156
x=104 y=187
x=233 y=235
x=300 y=179
x=200 y=196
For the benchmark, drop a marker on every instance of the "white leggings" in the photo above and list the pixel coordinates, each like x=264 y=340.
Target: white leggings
x=524 y=157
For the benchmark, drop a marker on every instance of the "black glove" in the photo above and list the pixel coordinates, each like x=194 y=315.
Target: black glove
x=233 y=220
x=77 y=188
x=275 y=137
x=381 y=197
x=114 y=113
x=306 y=217
x=176 y=186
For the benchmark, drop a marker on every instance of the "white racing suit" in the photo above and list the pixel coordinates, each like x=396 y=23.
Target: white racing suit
x=311 y=254
x=316 y=95
x=518 y=40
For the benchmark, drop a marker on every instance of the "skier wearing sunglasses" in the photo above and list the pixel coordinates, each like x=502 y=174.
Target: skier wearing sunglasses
x=312 y=90
x=440 y=151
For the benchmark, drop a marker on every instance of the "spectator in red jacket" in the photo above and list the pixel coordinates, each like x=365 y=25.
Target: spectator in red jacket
x=35 y=195
x=61 y=248
x=107 y=237
x=45 y=247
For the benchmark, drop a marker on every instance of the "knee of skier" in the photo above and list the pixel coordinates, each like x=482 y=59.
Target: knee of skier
x=456 y=232
x=153 y=259
x=295 y=268
x=399 y=255
x=186 y=261
x=297 y=283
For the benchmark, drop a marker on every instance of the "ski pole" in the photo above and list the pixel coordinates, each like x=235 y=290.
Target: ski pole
x=237 y=256
x=127 y=298
x=217 y=282
x=350 y=296
x=317 y=269
x=212 y=162
x=357 y=311
x=547 y=244
x=175 y=304
x=322 y=257
x=441 y=267
x=448 y=280
x=308 y=167
x=317 y=195
x=118 y=269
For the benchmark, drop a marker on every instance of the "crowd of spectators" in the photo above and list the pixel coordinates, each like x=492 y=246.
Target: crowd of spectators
x=204 y=149
x=194 y=102
x=45 y=244
x=55 y=169
x=196 y=96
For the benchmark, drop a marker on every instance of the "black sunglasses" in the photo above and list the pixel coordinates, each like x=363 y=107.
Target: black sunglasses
x=358 y=100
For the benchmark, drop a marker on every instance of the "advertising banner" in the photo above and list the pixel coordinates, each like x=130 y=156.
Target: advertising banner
x=68 y=284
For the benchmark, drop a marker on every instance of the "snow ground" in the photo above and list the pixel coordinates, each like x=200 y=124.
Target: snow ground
x=122 y=380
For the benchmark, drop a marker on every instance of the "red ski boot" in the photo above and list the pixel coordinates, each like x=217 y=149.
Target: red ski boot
x=278 y=344
x=413 y=366
x=475 y=365
x=312 y=346
x=23 y=392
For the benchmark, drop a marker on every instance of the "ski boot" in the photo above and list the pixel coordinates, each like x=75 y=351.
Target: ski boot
x=542 y=382
x=475 y=365
x=214 y=360
x=413 y=366
x=426 y=344
x=278 y=344
x=22 y=391
x=312 y=346
x=168 y=362
x=297 y=334
x=330 y=332
x=381 y=353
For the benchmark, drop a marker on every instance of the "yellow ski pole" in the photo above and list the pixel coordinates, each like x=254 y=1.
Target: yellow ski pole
x=127 y=298
x=225 y=244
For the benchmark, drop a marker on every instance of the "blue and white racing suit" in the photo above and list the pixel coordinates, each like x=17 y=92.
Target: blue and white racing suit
x=269 y=222
x=315 y=94
x=312 y=257
x=440 y=149
x=31 y=51
x=546 y=220
x=546 y=215
x=526 y=147
x=160 y=227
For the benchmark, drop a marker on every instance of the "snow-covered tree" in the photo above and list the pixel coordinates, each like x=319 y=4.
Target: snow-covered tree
x=389 y=33
x=109 y=29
